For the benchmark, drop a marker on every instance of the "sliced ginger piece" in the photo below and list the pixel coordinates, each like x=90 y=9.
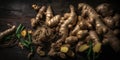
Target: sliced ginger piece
x=64 y=49
x=23 y=33
x=97 y=47
x=83 y=47
x=30 y=31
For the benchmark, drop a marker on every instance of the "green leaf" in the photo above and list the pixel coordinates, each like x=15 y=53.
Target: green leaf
x=90 y=49
x=29 y=37
x=31 y=49
x=18 y=35
x=22 y=28
x=18 y=28
x=18 y=31
x=25 y=43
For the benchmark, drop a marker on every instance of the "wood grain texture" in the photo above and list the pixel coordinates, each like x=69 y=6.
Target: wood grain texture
x=20 y=11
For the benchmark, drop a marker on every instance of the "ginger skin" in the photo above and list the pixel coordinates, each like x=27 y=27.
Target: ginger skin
x=93 y=17
x=7 y=32
x=96 y=40
x=51 y=20
x=71 y=19
x=35 y=21
x=54 y=21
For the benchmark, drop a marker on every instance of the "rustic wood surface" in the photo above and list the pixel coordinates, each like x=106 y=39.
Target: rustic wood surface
x=20 y=11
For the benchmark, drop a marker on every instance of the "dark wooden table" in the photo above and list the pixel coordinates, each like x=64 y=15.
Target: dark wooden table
x=20 y=11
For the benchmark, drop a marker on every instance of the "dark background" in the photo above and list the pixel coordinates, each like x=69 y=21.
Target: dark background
x=20 y=11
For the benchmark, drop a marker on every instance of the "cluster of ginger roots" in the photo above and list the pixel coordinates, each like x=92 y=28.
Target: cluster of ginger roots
x=65 y=35
x=71 y=32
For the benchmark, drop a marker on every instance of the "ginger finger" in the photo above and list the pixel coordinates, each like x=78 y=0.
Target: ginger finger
x=7 y=32
x=96 y=41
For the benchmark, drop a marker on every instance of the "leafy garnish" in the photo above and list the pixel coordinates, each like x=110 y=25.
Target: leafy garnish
x=90 y=50
x=18 y=28
x=25 y=43
x=20 y=32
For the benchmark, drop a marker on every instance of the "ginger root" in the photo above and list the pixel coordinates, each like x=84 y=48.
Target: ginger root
x=82 y=33
x=50 y=20
x=104 y=9
x=7 y=32
x=61 y=55
x=49 y=14
x=78 y=45
x=101 y=28
x=40 y=52
x=109 y=21
x=53 y=21
x=96 y=40
x=112 y=40
x=71 y=20
x=87 y=10
x=35 y=7
x=40 y=13
x=70 y=53
x=93 y=17
x=77 y=27
x=35 y=21
x=41 y=33
x=62 y=32
x=71 y=39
